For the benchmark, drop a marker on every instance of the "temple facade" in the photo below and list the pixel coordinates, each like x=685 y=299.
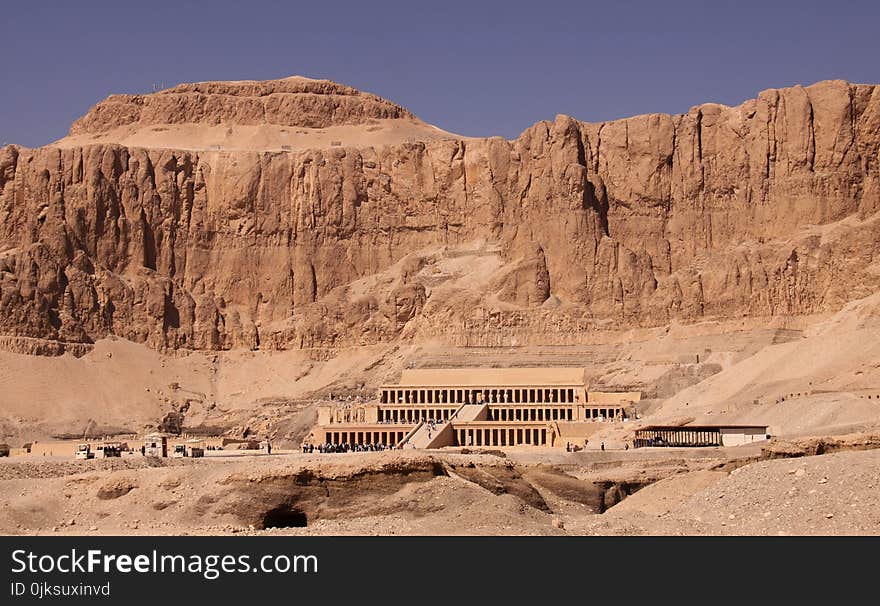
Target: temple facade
x=497 y=407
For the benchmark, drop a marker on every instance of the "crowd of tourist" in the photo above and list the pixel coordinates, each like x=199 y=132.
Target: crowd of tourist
x=345 y=447
x=402 y=421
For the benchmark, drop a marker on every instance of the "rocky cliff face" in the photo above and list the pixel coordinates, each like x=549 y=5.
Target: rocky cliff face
x=769 y=208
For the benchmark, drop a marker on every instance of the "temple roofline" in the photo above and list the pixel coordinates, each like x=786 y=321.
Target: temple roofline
x=484 y=377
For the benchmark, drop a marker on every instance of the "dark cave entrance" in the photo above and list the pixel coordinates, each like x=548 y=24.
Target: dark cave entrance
x=284 y=516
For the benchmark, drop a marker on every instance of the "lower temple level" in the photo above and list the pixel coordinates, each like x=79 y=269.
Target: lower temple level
x=363 y=435
x=495 y=434
x=479 y=433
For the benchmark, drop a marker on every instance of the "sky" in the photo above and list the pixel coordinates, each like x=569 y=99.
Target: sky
x=473 y=68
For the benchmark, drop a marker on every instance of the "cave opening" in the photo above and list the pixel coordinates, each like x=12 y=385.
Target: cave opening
x=284 y=516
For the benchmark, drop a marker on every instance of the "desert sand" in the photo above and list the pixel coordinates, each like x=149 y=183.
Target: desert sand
x=446 y=493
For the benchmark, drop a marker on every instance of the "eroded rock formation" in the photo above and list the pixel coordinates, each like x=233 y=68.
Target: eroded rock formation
x=293 y=101
x=768 y=208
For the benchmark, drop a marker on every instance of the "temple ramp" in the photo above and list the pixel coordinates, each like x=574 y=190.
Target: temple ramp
x=407 y=441
x=432 y=436
x=441 y=435
x=472 y=412
x=438 y=435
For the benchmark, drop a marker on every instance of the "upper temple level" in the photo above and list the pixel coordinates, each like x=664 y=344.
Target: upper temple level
x=490 y=385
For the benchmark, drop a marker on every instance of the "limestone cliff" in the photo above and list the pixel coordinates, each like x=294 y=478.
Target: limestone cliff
x=765 y=209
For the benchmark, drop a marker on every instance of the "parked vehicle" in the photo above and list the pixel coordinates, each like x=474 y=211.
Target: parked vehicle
x=84 y=451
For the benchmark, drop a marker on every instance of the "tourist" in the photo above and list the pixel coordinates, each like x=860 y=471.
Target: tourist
x=602 y=446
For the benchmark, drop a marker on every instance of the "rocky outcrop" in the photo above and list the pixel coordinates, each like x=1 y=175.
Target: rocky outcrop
x=527 y=284
x=769 y=208
x=293 y=101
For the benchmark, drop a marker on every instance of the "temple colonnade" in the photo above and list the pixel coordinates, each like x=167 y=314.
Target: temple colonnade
x=472 y=395
x=360 y=436
x=502 y=436
x=410 y=414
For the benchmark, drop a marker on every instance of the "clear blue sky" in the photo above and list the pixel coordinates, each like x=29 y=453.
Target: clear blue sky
x=475 y=68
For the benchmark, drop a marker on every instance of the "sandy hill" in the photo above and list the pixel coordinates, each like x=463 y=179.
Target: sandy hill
x=826 y=380
x=274 y=115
